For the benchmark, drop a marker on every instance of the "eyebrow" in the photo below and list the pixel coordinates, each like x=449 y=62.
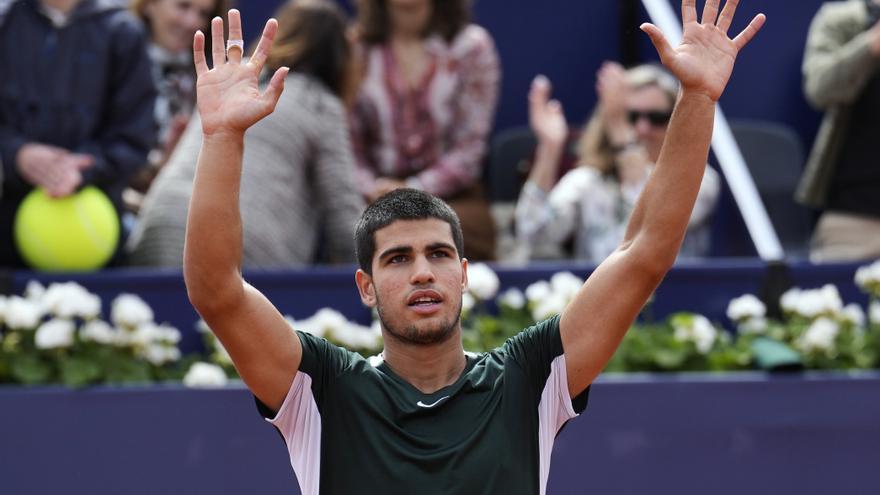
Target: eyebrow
x=409 y=249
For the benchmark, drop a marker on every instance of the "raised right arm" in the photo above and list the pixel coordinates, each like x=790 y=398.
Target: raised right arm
x=264 y=349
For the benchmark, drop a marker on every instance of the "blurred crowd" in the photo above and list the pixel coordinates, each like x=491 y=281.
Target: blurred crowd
x=403 y=94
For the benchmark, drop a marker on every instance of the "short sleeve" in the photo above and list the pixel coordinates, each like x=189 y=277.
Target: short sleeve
x=537 y=350
x=320 y=366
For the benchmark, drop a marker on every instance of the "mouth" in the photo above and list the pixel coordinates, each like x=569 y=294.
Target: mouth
x=425 y=301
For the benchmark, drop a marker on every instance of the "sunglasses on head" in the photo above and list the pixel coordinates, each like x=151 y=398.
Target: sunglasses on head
x=656 y=118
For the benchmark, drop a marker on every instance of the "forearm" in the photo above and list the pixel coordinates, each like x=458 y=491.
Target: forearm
x=661 y=214
x=213 y=250
x=544 y=170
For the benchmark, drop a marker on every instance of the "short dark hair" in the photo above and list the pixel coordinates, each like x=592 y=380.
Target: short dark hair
x=448 y=19
x=401 y=204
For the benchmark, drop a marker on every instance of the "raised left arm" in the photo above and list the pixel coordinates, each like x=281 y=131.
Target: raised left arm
x=593 y=325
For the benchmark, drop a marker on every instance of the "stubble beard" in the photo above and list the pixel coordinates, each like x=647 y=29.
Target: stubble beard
x=410 y=334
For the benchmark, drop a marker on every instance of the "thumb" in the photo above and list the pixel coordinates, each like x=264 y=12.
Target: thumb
x=660 y=44
x=276 y=86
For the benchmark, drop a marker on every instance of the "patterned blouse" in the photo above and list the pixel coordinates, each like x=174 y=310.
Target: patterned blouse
x=434 y=134
x=596 y=209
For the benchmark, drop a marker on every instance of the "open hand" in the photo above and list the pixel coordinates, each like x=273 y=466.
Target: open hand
x=704 y=59
x=228 y=96
x=545 y=115
x=612 y=89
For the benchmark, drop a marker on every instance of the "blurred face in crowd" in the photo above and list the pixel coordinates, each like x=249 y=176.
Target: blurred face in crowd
x=410 y=17
x=648 y=110
x=417 y=281
x=173 y=22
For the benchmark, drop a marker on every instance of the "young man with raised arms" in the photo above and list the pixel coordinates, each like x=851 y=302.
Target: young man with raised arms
x=425 y=416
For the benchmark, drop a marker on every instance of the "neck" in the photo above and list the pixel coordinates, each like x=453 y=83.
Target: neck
x=401 y=37
x=63 y=5
x=426 y=367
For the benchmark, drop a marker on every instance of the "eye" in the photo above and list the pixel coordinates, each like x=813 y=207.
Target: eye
x=439 y=254
x=400 y=258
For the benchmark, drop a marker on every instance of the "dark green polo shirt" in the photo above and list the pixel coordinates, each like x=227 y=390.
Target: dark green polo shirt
x=352 y=426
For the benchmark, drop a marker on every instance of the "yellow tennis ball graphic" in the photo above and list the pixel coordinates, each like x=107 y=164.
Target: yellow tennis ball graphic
x=75 y=233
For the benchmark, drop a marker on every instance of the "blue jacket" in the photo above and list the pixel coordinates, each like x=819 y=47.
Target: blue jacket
x=85 y=87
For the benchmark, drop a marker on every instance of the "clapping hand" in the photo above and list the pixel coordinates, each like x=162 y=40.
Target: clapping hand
x=229 y=97
x=704 y=59
x=546 y=117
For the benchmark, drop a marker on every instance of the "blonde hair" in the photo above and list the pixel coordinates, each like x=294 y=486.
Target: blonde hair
x=594 y=147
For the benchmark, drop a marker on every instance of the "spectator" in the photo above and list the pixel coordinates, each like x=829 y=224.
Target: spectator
x=298 y=192
x=76 y=102
x=426 y=106
x=617 y=151
x=171 y=25
x=842 y=176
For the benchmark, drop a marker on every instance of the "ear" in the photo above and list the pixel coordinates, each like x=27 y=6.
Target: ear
x=366 y=288
x=464 y=278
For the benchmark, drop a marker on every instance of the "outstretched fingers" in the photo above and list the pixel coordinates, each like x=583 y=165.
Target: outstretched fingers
x=727 y=15
x=199 y=53
x=710 y=12
x=258 y=59
x=218 y=50
x=688 y=11
x=235 y=52
x=664 y=49
x=749 y=32
x=273 y=90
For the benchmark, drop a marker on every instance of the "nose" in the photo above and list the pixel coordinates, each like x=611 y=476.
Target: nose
x=422 y=273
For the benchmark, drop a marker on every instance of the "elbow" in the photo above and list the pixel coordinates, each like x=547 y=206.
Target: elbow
x=652 y=259
x=207 y=290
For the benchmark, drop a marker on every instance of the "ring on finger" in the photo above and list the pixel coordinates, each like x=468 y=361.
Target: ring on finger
x=230 y=44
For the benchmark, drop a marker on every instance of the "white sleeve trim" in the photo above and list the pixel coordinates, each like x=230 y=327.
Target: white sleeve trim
x=299 y=422
x=554 y=411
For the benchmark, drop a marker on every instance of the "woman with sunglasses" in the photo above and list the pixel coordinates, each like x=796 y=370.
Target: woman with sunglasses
x=616 y=152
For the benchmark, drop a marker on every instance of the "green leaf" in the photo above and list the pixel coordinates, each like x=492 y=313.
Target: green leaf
x=78 y=372
x=30 y=369
x=122 y=369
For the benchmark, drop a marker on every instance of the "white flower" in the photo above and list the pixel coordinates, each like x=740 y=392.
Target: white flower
x=854 y=314
x=697 y=329
x=819 y=336
x=874 y=312
x=566 y=284
x=353 y=336
x=755 y=325
x=149 y=333
x=55 y=334
x=34 y=291
x=513 y=298
x=205 y=375
x=99 y=331
x=468 y=301
x=483 y=283
x=812 y=303
x=129 y=310
x=553 y=304
x=159 y=354
x=868 y=278
x=746 y=307
x=538 y=291
x=22 y=313
x=325 y=321
x=70 y=300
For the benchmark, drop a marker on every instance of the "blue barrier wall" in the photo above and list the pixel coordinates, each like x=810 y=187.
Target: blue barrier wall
x=685 y=434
